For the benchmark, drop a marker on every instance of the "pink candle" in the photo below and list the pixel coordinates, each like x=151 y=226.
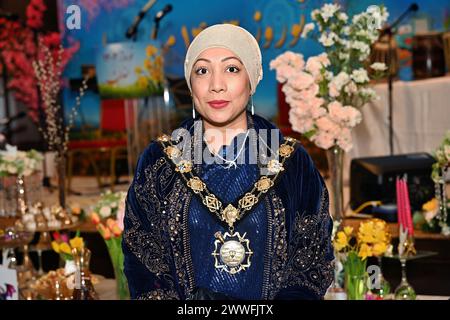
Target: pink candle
x=399 y=202
x=409 y=223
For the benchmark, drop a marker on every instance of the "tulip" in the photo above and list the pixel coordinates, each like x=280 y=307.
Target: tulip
x=116 y=230
x=65 y=248
x=110 y=223
x=77 y=242
x=95 y=218
x=55 y=246
x=105 y=232
x=64 y=237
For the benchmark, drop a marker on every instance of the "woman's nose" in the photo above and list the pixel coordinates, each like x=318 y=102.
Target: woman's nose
x=217 y=83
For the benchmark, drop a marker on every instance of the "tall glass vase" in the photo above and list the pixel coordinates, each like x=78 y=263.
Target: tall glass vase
x=355 y=276
x=18 y=193
x=114 y=246
x=335 y=157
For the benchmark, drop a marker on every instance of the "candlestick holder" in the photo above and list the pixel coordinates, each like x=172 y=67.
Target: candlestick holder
x=404 y=290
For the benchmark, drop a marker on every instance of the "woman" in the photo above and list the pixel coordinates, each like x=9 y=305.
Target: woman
x=226 y=208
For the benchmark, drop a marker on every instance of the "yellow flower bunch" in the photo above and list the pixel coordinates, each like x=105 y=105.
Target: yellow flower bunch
x=151 y=50
x=372 y=239
x=63 y=246
x=151 y=73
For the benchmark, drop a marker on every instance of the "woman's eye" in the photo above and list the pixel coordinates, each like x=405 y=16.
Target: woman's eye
x=233 y=69
x=201 y=71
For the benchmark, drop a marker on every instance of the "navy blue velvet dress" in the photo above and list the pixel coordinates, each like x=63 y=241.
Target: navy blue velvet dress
x=169 y=233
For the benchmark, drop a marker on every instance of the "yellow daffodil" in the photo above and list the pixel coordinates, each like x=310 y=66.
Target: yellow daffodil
x=77 y=242
x=159 y=61
x=365 y=232
x=156 y=75
x=348 y=231
x=365 y=251
x=379 y=249
x=138 y=70
x=373 y=231
x=431 y=205
x=148 y=64
x=380 y=236
x=365 y=238
x=257 y=16
x=171 y=41
x=55 y=246
x=142 y=82
x=151 y=50
x=65 y=248
x=341 y=241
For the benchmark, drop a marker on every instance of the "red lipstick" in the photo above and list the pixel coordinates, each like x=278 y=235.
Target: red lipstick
x=218 y=104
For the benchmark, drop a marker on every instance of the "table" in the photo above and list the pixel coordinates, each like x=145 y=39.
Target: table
x=106 y=290
x=394 y=231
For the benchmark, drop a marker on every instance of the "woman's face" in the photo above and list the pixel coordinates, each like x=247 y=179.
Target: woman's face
x=220 y=86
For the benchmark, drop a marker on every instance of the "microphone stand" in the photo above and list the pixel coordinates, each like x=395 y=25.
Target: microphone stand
x=390 y=31
x=156 y=29
x=390 y=94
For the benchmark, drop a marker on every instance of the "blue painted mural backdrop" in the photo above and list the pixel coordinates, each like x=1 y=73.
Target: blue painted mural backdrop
x=275 y=23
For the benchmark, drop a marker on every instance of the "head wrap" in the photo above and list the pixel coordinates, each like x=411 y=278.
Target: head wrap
x=234 y=38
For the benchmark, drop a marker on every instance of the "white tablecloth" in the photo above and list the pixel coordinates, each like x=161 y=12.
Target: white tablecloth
x=421 y=116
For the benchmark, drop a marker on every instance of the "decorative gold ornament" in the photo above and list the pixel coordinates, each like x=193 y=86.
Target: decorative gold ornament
x=163 y=138
x=212 y=202
x=248 y=201
x=230 y=214
x=232 y=252
x=274 y=166
x=196 y=184
x=285 y=150
x=264 y=184
x=290 y=139
x=172 y=152
x=183 y=166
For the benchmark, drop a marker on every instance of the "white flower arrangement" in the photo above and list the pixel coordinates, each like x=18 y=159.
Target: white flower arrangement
x=326 y=91
x=442 y=156
x=110 y=204
x=14 y=162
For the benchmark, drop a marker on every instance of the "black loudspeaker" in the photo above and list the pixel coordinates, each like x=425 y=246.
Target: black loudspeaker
x=374 y=179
